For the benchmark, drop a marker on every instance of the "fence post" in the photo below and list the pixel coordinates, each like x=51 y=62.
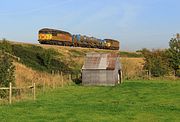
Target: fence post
x=10 y=93
x=174 y=75
x=34 y=91
x=62 y=80
x=44 y=86
x=149 y=73
x=121 y=73
x=53 y=83
x=69 y=77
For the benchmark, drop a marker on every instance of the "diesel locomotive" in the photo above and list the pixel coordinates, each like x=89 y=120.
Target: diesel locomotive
x=58 y=37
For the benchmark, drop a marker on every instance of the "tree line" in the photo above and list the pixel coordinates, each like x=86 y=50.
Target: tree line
x=163 y=62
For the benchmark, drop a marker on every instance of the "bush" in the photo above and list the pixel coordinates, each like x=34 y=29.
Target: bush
x=178 y=73
x=156 y=62
x=39 y=58
x=6 y=73
x=6 y=46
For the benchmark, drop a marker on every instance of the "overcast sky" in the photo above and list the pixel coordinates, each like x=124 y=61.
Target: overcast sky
x=136 y=24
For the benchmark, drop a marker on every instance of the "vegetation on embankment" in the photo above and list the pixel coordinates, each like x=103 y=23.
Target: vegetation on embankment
x=130 y=101
x=50 y=57
x=70 y=60
x=37 y=57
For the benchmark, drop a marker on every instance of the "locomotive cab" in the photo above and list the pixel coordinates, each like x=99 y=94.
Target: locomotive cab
x=44 y=35
x=52 y=36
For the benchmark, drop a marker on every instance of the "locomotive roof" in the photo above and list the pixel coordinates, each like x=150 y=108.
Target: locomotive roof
x=111 y=40
x=54 y=30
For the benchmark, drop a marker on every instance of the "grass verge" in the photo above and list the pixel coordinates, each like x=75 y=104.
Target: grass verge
x=130 y=101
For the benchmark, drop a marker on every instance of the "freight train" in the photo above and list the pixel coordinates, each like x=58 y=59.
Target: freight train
x=58 y=37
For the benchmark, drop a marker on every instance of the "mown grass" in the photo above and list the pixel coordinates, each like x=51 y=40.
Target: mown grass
x=130 y=101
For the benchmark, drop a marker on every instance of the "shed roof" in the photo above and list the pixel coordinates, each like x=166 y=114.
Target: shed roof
x=105 y=61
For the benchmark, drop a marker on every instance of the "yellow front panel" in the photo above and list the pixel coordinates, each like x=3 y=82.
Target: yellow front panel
x=45 y=36
x=108 y=44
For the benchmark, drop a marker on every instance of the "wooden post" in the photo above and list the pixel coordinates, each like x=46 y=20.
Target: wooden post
x=119 y=77
x=34 y=91
x=52 y=72
x=69 y=77
x=174 y=75
x=62 y=80
x=10 y=93
x=58 y=72
x=32 y=86
x=149 y=75
x=44 y=86
x=53 y=83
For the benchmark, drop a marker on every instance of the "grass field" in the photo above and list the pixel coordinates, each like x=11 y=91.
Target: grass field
x=131 y=101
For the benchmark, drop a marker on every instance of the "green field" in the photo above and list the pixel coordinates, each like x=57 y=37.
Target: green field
x=131 y=101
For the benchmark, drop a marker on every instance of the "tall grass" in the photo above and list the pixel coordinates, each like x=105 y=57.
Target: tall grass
x=132 y=68
x=26 y=76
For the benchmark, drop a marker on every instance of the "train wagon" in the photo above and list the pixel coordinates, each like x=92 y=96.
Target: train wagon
x=56 y=37
x=85 y=41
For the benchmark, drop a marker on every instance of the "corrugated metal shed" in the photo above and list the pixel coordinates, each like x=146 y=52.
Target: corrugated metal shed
x=101 y=69
x=100 y=61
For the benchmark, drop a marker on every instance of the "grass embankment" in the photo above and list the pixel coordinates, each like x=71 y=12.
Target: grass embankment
x=48 y=57
x=130 y=101
x=37 y=61
x=59 y=58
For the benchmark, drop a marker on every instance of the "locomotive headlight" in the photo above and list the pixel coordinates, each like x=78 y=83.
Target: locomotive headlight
x=48 y=36
x=108 y=44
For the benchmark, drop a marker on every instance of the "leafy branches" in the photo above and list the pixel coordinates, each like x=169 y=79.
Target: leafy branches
x=174 y=55
x=160 y=62
x=156 y=62
x=7 y=70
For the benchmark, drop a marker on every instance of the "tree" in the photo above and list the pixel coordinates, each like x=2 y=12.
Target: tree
x=6 y=46
x=156 y=62
x=174 y=54
x=6 y=70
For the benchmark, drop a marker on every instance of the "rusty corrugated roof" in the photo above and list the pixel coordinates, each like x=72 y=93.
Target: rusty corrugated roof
x=100 y=61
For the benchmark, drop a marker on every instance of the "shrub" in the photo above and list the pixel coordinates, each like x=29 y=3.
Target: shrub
x=156 y=62
x=39 y=58
x=6 y=73
x=6 y=46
